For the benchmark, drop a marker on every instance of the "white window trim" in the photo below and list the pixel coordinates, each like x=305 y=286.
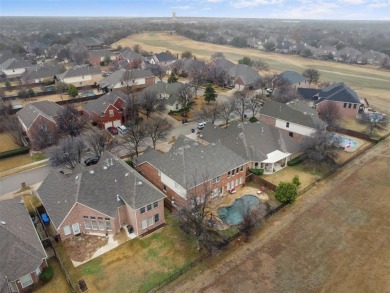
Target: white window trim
x=70 y=230
x=144 y=224
x=23 y=284
x=38 y=271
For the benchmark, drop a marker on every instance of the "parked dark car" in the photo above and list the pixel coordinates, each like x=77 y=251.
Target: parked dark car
x=112 y=130
x=91 y=161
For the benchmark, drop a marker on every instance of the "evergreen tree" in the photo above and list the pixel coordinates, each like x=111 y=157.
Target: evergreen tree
x=209 y=93
x=172 y=78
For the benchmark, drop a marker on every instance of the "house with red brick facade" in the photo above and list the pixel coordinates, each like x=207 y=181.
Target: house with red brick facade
x=123 y=78
x=22 y=255
x=296 y=118
x=242 y=76
x=101 y=199
x=190 y=164
x=265 y=147
x=110 y=110
x=347 y=101
x=163 y=59
x=97 y=56
x=41 y=122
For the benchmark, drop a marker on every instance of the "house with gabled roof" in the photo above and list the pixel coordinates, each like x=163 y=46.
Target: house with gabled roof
x=109 y=110
x=41 y=122
x=14 y=67
x=23 y=257
x=163 y=59
x=168 y=92
x=295 y=117
x=264 y=146
x=101 y=199
x=87 y=41
x=97 y=56
x=293 y=77
x=133 y=78
x=80 y=76
x=129 y=56
x=190 y=164
x=243 y=76
x=40 y=72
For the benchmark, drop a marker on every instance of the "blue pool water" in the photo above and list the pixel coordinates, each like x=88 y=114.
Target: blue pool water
x=346 y=142
x=89 y=94
x=232 y=215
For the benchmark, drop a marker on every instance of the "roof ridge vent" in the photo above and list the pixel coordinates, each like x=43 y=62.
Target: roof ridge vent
x=91 y=171
x=3 y=223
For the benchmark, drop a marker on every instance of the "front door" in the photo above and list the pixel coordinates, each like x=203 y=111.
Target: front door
x=76 y=229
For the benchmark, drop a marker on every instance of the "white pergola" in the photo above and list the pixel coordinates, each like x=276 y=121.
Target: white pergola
x=273 y=158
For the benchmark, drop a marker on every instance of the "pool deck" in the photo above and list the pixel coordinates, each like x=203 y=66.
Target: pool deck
x=228 y=200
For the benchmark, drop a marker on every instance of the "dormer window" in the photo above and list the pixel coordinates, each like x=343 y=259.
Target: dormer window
x=287 y=124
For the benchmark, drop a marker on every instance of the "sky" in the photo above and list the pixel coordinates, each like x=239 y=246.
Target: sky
x=284 y=9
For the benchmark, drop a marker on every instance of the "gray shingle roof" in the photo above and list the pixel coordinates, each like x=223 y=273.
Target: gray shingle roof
x=97 y=190
x=292 y=76
x=14 y=63
x=31 y=111
x=222 y=65
x=87 y=41
x=295 y=111
x=252 y=141
x=245 y=72
x=308 y=93
x=100 y=53
x=79 y=71
x=189 y=162
x=338 y=92
x=131 y=55
x=171 y=89
x=118 y=76
x=20 y=246
x=163 y=57
x=100 y=105
x=45 y=70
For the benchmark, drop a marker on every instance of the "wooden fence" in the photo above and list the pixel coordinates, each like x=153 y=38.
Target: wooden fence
x=261 y=180
x=357 y=134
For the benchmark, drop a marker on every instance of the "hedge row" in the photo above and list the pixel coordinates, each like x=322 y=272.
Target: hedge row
x=11 y=153
x=295 y=161
x=257 y=171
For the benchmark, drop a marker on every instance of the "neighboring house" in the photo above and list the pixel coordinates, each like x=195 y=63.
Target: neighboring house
x=129 y=56
x=347 y=54
x=264 y=146
x=293 y=77
x=346 y=99
x=163 y=59
x=97 y=56
x=295 y=117
x=23 y=257
x=41 y=122
x=80 y=76
x=219 y=69
x=110 y=110
x=41 y=72
x=101 y=199
x=14 y=67
x=168 y=92
x=134 y=79
x=371 y=57
x=284 y=47
x=89 y=42
x=243 y=76
x=190 y=166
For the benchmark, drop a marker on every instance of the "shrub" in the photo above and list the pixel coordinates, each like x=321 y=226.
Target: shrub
x=286 y=192
x=8 y=85
x=130 y=163
x=184 y=74
x=296 y=181
x=94 y=123
x=257 y=171
x=295 y=161
x=46 y=275
x=15 y=152
x=253 y=119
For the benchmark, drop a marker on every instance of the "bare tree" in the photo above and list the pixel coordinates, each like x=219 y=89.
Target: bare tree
x=70 y=120
x=218 y=55
x=67 y=153
x=185 y=98
x=136 y=134
x=254 y=103
x=137 y=48
x=150 y=102
x=260 y=65
x=227 y=111
x=321 y=148
x=312 y=75
x=331 y=114
x=177 y=67
x=134 y=64
x=11 y=123
x=197 y=74
x=252 y=217
x=242 y=100
x=99 y=141
x=284 y=92
x=157 y=128
x=158 y=70
x=374 y=122
x=80 y=54
x=210 y=112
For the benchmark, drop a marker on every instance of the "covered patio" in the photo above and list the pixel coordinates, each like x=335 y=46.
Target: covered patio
x=275 y=161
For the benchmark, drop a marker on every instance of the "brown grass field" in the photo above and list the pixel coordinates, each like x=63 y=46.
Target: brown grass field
x=335 y=238
x=368 y=81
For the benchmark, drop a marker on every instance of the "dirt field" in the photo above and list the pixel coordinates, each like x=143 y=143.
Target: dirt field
x=336 y=238
x=368 y=81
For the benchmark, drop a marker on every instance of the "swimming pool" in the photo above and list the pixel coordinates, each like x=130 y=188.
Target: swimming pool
x=232 y=215
x=346 y=142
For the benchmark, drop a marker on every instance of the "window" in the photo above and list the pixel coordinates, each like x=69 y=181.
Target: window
x=142 y=210
x=108 y=224
x=38 y=271
x=354 y=106
x=164 y=188
x=287 y=124
x=228 y=186
x=156 y=218
x=241 y=168
x=216 y=180
x=238 y=169
x=155 y=204
x=291 y=134
x=256 y=165
x=229 y=174
x=144 y=224
x=42 y=128
x=149 y=207
x=67 y=230
x=233 y=172
x=87 y=222
x=241 y=181
x=345 y=105
x=26 y=281
x=349 y=106
x=101 y=223
x=150 y=221
x=94 y=223
x=111 y=112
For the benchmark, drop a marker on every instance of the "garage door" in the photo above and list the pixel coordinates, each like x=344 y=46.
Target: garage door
x=117 y=123
x=107 y=124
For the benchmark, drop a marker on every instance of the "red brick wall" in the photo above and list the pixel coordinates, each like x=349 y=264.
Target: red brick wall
x=34 y=277
x=150 y=214
x=150 y=80
x=100 y=120
x=95 y=61
x=268 y=120
x=345 y=112
x=33 y=132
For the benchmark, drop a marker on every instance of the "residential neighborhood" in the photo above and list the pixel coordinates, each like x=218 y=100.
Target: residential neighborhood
x=182 y=154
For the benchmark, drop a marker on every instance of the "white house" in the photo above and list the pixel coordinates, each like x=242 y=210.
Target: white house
x=14 y=67
x=80 y=75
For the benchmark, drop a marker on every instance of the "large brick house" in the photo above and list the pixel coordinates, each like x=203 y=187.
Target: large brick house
x=347 y=101
x=242 y=76
x=295 y=117
x=110 y=110
x=97 y=56
x=22 y=255
x=189 y=166
x=101 y=199
x=265 y=147
x=123 y=78
x=41 y=122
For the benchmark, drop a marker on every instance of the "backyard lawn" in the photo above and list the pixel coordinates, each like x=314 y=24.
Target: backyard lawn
x=58 y=284
x=139 y=264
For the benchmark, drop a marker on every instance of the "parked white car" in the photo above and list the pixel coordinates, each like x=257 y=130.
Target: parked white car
x=122 y=129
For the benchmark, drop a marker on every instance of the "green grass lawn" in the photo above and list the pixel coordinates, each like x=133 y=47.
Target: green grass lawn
x=139 y=264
